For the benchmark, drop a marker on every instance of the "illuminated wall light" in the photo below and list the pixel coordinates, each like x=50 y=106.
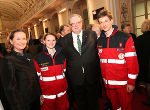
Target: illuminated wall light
x=64 y=9
x=35 y=25
x=45 y=20
x=40 y=19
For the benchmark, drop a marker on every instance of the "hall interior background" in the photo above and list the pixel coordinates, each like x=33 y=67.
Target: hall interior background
x=37 y=17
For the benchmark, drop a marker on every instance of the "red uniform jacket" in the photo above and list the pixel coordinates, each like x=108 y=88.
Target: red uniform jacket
x=118 y=59
x=51 y=72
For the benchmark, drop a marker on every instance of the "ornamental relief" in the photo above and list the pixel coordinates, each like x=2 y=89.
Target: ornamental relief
x=40 y=5
x=124 y=11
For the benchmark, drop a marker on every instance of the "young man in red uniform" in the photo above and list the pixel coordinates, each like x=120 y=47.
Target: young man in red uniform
x=118 y=61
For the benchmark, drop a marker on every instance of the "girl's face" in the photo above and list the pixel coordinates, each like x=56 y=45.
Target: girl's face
x=19 y=41
x=50 y=41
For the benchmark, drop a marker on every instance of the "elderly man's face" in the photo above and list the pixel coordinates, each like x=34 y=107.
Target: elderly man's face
x=76 y=24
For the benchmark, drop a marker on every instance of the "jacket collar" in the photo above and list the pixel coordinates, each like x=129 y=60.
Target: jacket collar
x=114 y=31
x=16 y=53
x=57 y=48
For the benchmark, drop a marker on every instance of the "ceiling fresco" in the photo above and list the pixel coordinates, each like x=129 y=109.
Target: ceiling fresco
x=23 y=13
x=14 y=9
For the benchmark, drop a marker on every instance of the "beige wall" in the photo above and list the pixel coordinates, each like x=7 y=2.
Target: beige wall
x=63 y=18
x=112 y=5
x=93 y=5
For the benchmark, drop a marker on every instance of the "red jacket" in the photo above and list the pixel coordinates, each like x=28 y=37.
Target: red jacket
x=51 y=72
x=118 y=59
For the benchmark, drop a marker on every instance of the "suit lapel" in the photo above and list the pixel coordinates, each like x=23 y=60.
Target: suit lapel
x=70 y=40
x=84 y=41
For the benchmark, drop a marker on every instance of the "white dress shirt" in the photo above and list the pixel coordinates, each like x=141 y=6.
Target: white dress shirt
x=110 y=33
x=1 y=106
x=74 y=36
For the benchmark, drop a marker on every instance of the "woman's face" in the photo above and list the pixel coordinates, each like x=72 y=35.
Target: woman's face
x=19 y=41
x=50 y=41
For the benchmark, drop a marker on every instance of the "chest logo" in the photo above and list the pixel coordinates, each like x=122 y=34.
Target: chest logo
x=121 y=56
x=100 y=50
x=44 y=69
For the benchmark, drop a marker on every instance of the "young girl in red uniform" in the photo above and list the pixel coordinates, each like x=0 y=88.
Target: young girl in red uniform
x=51 y=66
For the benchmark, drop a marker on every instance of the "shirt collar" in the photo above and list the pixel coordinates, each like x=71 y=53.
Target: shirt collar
x=74 y=35
x=51 y=52
x=110 y=33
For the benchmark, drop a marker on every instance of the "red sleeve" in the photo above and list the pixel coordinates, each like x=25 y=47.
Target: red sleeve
x=131 y=60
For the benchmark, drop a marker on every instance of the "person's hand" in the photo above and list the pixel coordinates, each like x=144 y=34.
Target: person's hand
x=130 y=88
x=41 y=99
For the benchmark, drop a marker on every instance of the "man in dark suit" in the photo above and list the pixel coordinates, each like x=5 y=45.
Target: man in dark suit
x=80 y=50
x=64 y=30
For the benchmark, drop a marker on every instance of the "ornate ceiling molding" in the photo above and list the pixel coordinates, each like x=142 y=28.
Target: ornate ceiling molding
x=22 y=13
x=35 y=10
x=14 y=9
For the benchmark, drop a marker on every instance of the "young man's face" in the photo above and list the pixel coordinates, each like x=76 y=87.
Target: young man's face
x=106 y=24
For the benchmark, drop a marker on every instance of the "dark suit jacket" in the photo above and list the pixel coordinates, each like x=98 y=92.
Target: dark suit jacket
x=88 y=60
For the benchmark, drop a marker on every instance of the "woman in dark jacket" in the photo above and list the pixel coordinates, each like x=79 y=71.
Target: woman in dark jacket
x=142 y=45
x=20 y=89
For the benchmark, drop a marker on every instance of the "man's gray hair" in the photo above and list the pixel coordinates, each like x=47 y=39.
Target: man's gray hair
x=73 y=15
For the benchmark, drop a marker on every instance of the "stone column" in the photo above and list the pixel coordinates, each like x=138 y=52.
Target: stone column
x=36 y=31
x=44 y=26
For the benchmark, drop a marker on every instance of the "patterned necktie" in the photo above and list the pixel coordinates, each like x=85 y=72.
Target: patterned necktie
x=79 y=44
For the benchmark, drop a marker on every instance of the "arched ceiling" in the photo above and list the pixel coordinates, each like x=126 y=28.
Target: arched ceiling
x=22 y=13
x=14 y=9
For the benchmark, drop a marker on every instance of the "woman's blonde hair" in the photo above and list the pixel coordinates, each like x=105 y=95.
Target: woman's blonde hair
x=145 y=26
x=9 y=46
